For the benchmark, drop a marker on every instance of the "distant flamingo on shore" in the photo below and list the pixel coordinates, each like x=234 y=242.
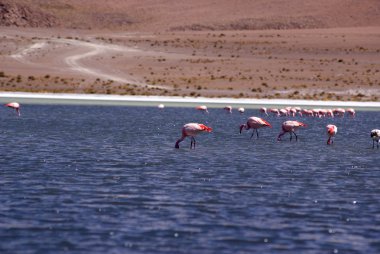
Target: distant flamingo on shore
x=255 y=123
x=339 y=112
x=191 y=130
x=202 y=108
x=274 y=111
x=375 y=135
x=351 y=112
x=14 y=105
x=263 y=110
x=331 y=131
x=228 y=109
x=291 y=127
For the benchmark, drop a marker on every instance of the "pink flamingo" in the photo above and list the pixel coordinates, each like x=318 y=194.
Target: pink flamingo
x=298 y=110
x=14 y=105
x=263 y=110
x=339 y=112
x=375 y=135
x=306 y=112
x=331 y=131
x=255 y=123
x=228 y=109
x=291 y=127
x=351 y=112
x=293 y=112
x=316 y=112
x=284 y=112
x=191 y=130
x=275 y=111
x=330 y=113
x=202 y=108
x=241 y=110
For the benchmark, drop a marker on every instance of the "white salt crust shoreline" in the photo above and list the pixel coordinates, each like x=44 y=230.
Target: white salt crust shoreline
x=102 y=99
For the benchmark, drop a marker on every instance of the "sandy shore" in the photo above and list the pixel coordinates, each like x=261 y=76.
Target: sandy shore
x=173 y=101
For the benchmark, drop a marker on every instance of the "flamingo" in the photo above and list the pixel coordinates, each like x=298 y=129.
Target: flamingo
x=275 y=111
x=306 y=112
x=255 y=123
x=284 y=112
x=351 y=112
x=241 y=110
x=202 y=108
x=228 y=109
x=264 y=110
x=14 y=105
x=191 y=130
x=161 y=106
x=331 y=131
x=375 y=135
x=330 y=113
x=299 y=110
x=339 y=112
x=293 y=112
x=291 y=127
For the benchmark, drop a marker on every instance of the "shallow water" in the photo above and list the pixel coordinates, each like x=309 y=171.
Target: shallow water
x=93 y=179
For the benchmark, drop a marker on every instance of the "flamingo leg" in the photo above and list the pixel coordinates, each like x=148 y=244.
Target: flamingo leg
x=373 y=144
x=193 y=142
x=378 y=144
x=179 y=141
x=253 y=132
x=295 y=135
x=257 y=133
x=291 y=136
x=192 y=145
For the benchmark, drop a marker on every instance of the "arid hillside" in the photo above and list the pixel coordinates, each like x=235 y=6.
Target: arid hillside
x=294 y=49
x=179 y=15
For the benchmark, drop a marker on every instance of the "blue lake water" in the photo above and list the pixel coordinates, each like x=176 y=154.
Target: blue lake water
x=97 y=179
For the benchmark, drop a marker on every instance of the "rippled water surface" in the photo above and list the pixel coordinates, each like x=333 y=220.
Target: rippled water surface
x=92 y=179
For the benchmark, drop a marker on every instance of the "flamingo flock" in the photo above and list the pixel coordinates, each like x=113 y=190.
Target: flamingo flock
x=289 y=126
x=255 y=123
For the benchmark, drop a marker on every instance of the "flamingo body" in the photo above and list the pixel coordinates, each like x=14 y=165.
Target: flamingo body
x=241 y=110
x=255 y=123
x=290 y=127
x=331 y=132
x=191 y=130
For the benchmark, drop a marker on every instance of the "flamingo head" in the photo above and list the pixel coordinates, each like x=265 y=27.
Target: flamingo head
x=266 y=123
x=301 y=124
x=205 y=128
